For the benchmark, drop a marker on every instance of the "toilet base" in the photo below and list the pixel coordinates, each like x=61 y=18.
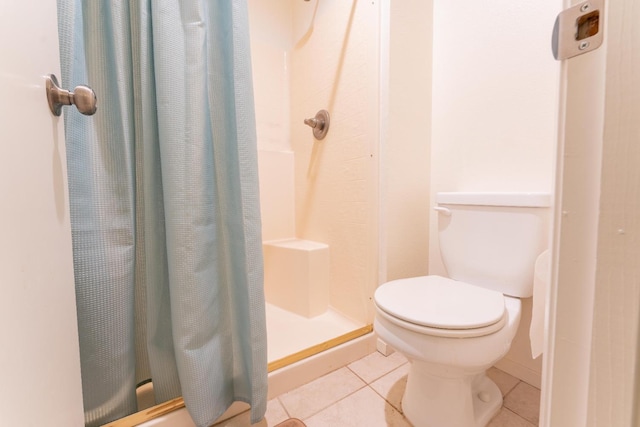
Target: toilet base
x=454 y=401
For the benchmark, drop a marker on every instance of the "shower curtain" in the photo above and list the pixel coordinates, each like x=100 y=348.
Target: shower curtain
x=164 y=205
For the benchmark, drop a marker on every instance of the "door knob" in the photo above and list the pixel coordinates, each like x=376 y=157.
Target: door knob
x=83 y=97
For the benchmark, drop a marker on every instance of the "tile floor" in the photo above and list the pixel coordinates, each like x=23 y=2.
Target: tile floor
x=367 y=393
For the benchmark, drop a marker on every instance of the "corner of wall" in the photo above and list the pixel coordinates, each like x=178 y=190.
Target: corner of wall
x=407 y=150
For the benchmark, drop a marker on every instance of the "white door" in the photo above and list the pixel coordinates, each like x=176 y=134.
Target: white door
x=39 y=356
x=591 y=351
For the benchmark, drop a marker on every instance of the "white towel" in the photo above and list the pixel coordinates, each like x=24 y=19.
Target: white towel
x=541 y=277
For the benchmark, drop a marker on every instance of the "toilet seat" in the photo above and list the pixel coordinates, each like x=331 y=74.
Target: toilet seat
x=439 y=306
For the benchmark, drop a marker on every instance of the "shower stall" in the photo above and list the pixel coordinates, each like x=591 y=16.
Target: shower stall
x=319 y=198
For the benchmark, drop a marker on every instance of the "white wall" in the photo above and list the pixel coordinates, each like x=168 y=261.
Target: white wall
x=406 y=150
x=495 y=94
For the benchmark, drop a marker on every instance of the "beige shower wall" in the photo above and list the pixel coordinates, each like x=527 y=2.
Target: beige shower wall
x=334 y=66
x=271 y=29
x=309 y=56
x=495 y=100
x=271 y=41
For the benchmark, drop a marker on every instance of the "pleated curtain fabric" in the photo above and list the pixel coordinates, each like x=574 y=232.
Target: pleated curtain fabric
x=164 y=199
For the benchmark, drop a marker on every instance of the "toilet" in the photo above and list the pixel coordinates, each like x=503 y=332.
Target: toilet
x=452 y=329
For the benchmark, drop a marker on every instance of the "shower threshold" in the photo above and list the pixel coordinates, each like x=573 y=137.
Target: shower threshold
x=291 y=337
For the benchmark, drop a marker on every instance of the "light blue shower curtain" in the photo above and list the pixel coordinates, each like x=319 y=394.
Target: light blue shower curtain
x=164 y=205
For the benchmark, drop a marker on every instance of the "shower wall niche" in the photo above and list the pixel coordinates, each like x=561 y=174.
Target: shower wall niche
x=319 y=199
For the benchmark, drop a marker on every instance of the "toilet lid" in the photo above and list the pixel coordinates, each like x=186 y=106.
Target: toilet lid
x=438 y=302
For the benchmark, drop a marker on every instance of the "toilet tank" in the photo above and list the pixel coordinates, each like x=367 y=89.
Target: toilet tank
x=493 y=239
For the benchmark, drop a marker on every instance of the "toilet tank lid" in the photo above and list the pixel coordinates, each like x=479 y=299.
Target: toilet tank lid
x=514 y=199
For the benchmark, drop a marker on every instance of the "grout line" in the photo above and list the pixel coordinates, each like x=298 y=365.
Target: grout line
x=510 y=390
x=519 y=416
x=331 y=404
x=511 y=410
x=376 y=378
x=283 y=407
x=356 y=374
x=363 y=379
x=386 y=400
x=393 y=408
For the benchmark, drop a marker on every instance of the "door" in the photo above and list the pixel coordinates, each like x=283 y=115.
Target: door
x=591 y=352
x=39 y=360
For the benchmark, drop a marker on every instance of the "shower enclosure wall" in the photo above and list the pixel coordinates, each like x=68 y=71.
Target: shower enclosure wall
x=319 y=199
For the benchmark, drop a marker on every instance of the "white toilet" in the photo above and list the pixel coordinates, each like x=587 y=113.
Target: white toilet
x=453 y=329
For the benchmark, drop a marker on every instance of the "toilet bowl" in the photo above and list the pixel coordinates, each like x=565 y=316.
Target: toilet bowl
x=452 y=329
x=447 y=385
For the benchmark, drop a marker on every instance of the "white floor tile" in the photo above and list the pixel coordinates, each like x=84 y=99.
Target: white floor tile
x=317 y=395
x=364 y=408
x=275 y=412
x=504 y=381
x=506 y=418
x=524 y=400
x=343 y=399
x=375 y=365
x=391 y=386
